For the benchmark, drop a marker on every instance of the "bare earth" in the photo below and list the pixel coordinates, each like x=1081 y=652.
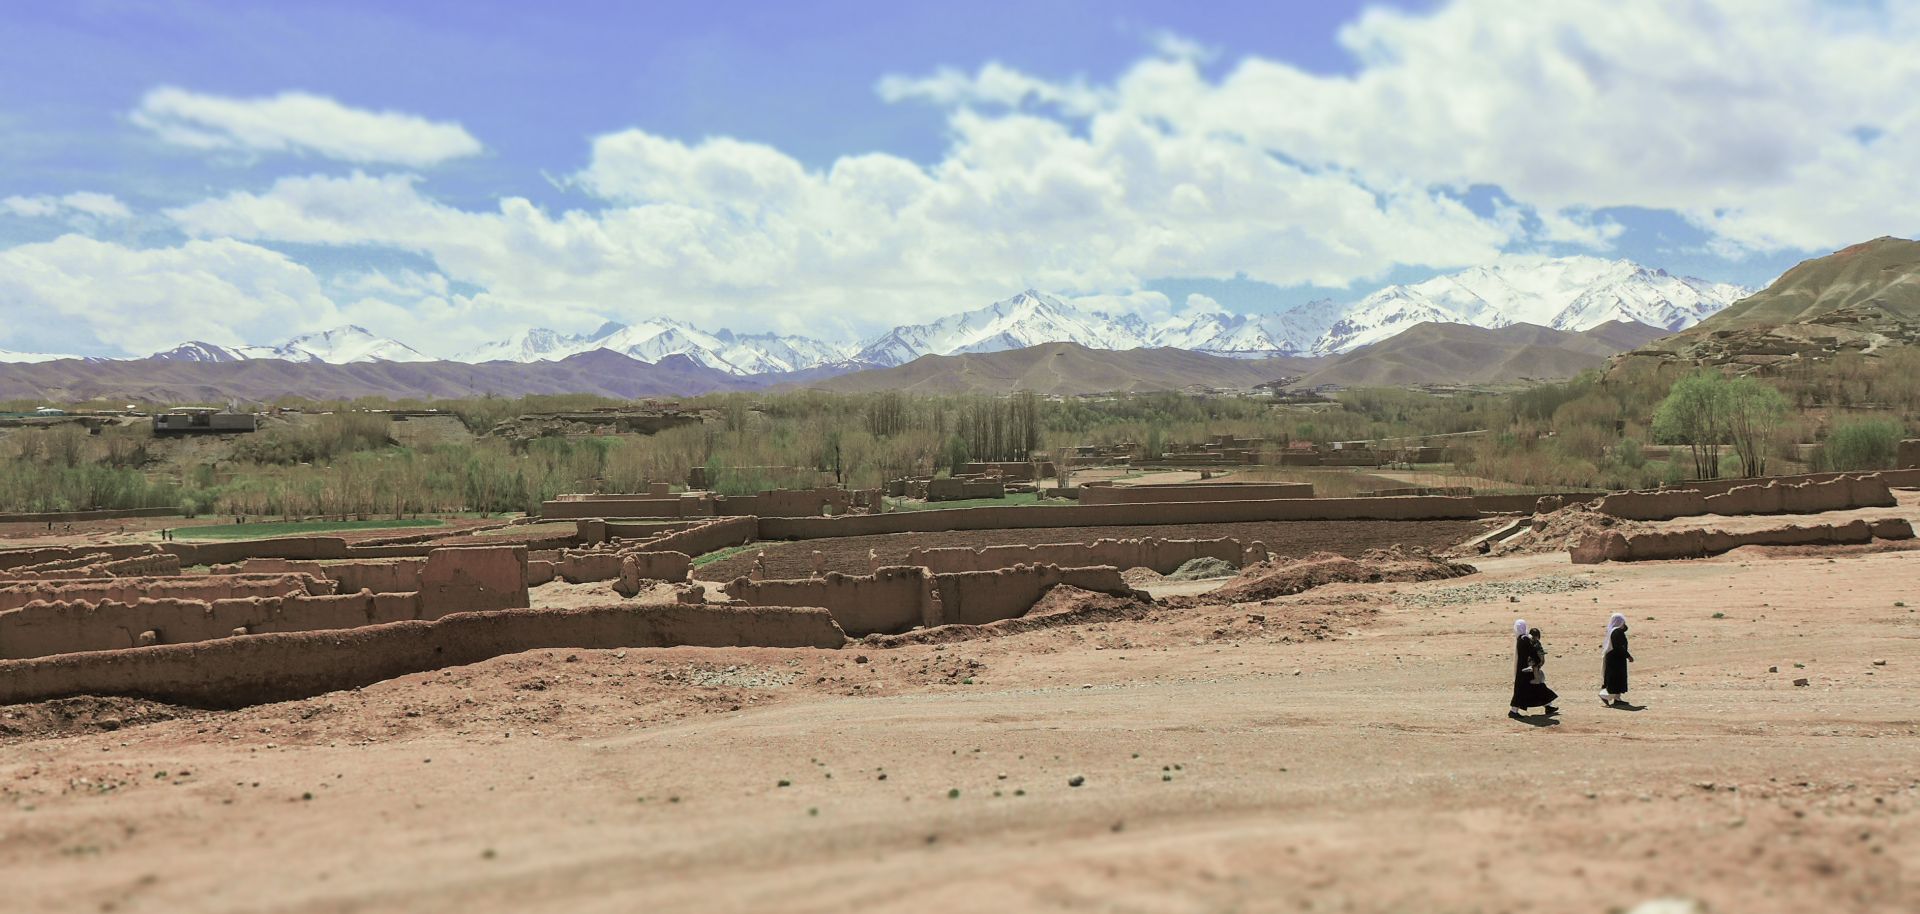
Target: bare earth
x=1344 y=750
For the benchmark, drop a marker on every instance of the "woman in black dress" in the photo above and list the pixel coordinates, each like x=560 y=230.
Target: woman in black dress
x=1613 y=665
x=1529 y=675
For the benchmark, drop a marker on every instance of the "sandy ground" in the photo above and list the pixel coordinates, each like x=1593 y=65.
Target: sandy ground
x=1345 y=750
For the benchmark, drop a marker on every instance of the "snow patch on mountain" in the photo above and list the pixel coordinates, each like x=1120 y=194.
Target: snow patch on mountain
x=339 y=346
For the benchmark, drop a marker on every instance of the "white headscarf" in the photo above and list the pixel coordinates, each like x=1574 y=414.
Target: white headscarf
x=1519 y=628
x=1619 y=620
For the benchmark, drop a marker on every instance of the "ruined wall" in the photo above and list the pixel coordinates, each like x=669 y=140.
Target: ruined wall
x=1908 y=457
x=896 y=599
x=1010 y=470
x=11 y=559
x=891 y=600
x=1696 y=543
x=234 y=672
x=585 y=566
x=784 y=503
x=1144 y=495
x=69 y=517
x=1161 y=555
x=191 y=587
x=473 y=578
x=99 y=565
x=1903 y=478
x=948 y=489
x=1030 y=516
x=377 y=575
x=705 y=538
x=1836 y=493
x=629 y=506
x=45 y=629
x=283 y=547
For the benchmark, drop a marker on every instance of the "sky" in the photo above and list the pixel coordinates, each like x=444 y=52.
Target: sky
x=449 y=173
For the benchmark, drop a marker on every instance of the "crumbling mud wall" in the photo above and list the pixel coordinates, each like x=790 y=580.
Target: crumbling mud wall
x=1030 y=516
x=637 y=570
x=895 y=599
x=1838 y=493
x=1908 y=457
x=14 y=595
x=240 y=671
x=1155 y=495
x=280 y=547
x=45 y=629
x=785 y=503
x=1010 y=470
x=950 y=489
x=473 y=578
x=1899 y=478
x=11 y=559
x=1688 y=544
x=585 y=566
x=377 y=575
x=1161 y=555
x=631 y=506
x=97 y=566
x=705 y=538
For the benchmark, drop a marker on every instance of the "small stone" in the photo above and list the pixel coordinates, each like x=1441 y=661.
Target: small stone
x=1773 y=669
x=1800 y=682
x=1879 y=663
x=861 y=658
x=1076 y=781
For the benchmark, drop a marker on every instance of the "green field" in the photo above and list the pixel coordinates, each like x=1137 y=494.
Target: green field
x=295 y=528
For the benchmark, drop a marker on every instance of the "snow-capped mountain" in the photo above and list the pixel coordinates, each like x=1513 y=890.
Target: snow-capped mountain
x=8 y=355
x=653 y=340
x=1027 y=319
x=1564 y=293
x=339 y=346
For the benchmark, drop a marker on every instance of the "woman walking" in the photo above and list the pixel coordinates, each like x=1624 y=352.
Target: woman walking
x=1529 y=674
x=1613 y=664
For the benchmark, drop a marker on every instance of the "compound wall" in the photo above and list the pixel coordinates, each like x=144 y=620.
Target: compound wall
x=785 y=503
x=1161 y=555
x=1153 y=495
x=1688 y=544
x=235 y=672
x=896 y=599
x=1836 y=493
x=962 y=489
x=700 y=540
x=1031 y=516
x=68 y=517
x=45 y=629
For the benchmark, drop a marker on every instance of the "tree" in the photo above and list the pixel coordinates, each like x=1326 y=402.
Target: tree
x=956 y=455
x=1753 y=411
x=1693 y=414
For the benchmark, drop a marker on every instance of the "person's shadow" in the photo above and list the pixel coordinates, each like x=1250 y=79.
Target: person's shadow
x=1536 y=720
x=1624 y=705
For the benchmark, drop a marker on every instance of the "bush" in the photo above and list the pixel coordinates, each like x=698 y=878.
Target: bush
x=1864 y=444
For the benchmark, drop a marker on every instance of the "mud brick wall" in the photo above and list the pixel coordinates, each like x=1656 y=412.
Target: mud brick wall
x=1812 y=496
x=980 y=597
x=889 y=601
x=1653 y=505
x=1901 y=478
x=1161 y=555
x=895 y=599
x=1908 y=457
x=1027 y=517
x=190 y=587
x=631 y=506
x=378 y=575
x=473 y=578
x=37 y=555
x=1687 y=544
x=961 y=489
x=1010 y=470
x=700 y=540
x=284 y=547
x=1144 y=495
x=784 y=503
x=68 y=517
x=45 y=629
x=235 y=672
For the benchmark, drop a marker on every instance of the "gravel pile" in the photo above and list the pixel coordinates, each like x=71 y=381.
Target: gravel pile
x=1203 y=568
x=746 y=677
x=1496 y=591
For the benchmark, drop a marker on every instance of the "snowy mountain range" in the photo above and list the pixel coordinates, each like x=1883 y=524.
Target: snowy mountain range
x=339 y=346
x=1566 y=293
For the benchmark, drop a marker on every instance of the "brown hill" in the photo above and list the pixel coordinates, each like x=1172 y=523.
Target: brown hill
x=158 y=381
x=1067 y=369
x=1436 y=353
x=1864 y=298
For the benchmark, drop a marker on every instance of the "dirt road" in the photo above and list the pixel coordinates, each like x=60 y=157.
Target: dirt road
x=1345 y=750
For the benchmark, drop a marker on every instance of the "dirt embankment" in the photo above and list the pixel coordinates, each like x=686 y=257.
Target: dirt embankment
x=849 y=555
x=1285 y=577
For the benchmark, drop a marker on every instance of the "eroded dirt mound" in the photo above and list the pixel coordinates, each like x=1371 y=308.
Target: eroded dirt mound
x=1063 y=605
x=1561 y=530
x=1201 y=569
x=1268 y=580
x=85 y=714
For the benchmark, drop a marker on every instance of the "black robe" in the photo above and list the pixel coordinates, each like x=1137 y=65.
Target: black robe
x=1526 y=692
x=1614 y=667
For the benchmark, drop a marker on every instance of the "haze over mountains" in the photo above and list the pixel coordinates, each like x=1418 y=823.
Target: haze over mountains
x=1569 y=294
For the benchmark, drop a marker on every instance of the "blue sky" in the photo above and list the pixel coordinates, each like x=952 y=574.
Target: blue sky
x=480 y=167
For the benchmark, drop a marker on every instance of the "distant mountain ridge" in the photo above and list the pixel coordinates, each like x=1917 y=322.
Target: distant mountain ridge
x=1567 y=293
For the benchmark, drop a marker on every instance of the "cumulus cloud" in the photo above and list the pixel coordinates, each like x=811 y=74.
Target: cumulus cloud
x=140 y=301
x=83 y=204
x=300 y=122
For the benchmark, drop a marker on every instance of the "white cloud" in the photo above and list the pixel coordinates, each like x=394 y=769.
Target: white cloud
x=81 y=204
x=300 y=122
x=140 y=301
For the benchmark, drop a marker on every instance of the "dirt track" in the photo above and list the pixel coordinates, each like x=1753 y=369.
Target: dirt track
x=1288 y=538
x=1335 y=751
